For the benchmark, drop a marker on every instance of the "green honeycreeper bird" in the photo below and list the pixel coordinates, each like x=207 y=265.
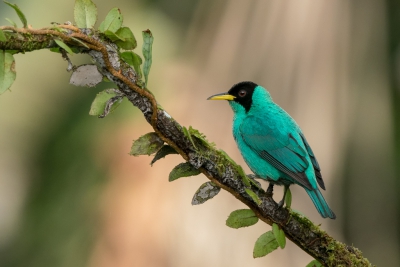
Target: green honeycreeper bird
x=272 y=144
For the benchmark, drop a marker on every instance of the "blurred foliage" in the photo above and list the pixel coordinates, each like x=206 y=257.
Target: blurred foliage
x=57 y=222
x=180 y=11
x=393 y=33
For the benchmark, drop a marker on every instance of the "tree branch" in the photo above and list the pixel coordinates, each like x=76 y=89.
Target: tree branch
x=211 y=162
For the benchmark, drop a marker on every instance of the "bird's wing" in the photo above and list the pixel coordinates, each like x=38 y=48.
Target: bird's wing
x=278 y=148
x=314 y=161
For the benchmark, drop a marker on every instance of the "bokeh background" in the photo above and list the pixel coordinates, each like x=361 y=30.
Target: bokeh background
x=70 y=195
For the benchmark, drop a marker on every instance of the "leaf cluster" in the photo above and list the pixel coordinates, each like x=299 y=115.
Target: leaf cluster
x=85 y=15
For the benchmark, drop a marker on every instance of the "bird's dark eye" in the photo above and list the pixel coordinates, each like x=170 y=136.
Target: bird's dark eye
x=242 y=93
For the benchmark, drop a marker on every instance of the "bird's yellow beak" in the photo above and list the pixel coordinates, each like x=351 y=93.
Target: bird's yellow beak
x=223 y=96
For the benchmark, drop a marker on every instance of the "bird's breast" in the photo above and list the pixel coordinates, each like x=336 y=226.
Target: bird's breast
x=258 y=165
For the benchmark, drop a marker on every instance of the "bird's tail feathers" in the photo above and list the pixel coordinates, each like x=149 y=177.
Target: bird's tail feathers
x=320 y=203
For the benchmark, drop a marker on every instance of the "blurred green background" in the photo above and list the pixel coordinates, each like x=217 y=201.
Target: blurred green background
x=70 y=195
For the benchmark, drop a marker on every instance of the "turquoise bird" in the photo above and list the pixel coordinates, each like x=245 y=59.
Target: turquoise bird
x=272 y=144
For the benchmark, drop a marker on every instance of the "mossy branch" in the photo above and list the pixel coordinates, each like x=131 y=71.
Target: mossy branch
x=213 y=163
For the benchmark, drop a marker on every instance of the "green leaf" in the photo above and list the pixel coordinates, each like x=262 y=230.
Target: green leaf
x=201 y=137
x=227 y=156
x=243 y=176
x=134 y=60
x=288 y=198
x=3 y=37
x=112 y=22
x=19 y=13
x=111 y=105
x=252 y=179
x=279 y=235
x=64 y=46
x=55 y=49
x=113 y=36
x=7 y=71
x=264 y=245
x=59 y=29
x=13 y=52
x=206 y=192
x=241 y=218
x=183 y=170
x=86 y=75
x=147 y=53
x=80 y=42
x=164 y=151
x=253 y=195
x=147 y=144
x=100 y=103
x=127 y=40
x=314 y=263
x=12 y=22
x=188 y=135
x=85 y=13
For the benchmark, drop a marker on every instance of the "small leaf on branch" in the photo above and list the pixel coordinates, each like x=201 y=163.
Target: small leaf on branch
x=288 y=198
x=265 y=244
x=252 y=178
x=226 y=156
x=59 y=29
x=241 y=218
x=188 y=135
x=206 y=192
x=127 y=40
x=113 y=36
x=164 y=151
x=3 y=37
x=64 y=46
x=314 y=263
x=146 y=145
x=86 y=75
x=99 y=104
x=112 y=22
x=55 y=49
x=12 y=22
x=80 y=42
x=133 y=60
x=201 y=137
x=7 y=71
x=253 y=195
x=183 y=170
x=147 y=53
x=243 y=176
x=279 y=235
x=19 y=13
x=85 y=13
x=111 y=105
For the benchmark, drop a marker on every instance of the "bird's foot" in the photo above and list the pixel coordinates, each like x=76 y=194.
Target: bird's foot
x=282 y=202
x=270 y=189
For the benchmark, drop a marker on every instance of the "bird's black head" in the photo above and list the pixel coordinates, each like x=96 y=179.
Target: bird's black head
x=243 y=93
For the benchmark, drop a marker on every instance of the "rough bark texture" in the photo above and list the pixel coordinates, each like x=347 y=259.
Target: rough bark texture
x=211 y=162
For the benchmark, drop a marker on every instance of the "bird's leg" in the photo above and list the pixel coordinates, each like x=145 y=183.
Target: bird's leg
x=280 y=204
x=270 y=189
